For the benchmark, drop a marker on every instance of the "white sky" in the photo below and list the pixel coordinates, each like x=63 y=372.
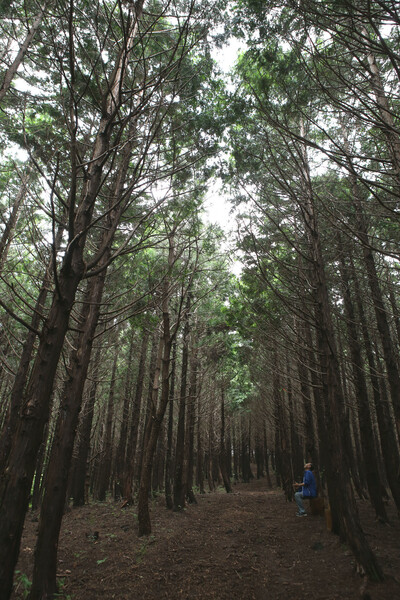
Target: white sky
x=217 y=205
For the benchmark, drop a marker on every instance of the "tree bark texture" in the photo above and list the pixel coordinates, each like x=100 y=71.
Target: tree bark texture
x=168 y=459
x=103 y=483
x=366 y=430
x=81 y=467
x=222 y=451
x=134 y=427
x=179 y=483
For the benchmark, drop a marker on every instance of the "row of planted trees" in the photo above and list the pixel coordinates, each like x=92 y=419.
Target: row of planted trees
x=315 y=172
x=104 y=261
x=115 y=350
x=126 y=349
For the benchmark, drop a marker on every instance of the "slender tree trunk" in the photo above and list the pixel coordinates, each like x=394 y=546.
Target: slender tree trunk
x=168 y=459
x=15 y=484
x=339 y=486
x=120 y=458
x=13 y=218
x=395 y=308
x=310 y=433
x=389 y=352
x=235 y=451
x=247 y=474
x=351 y=441
x=12 y=70
x=266 y=454
x=179 y=484
x=153 y=430
x=105 y=466
x=189 y=435
x=200 y=452
x=316 y=382
x=297 y=451
x=17 y=477
x=209 y=452
x=282 y=443
x=222 y=451
x=259 y=456
x=155 y=346
x=388 y=439
x=21 y=376
x=159 y=461
x=388 y=125
x=228 y=447
x=44 y=575
x=158 y=408
x=81 y=470
x=366 y=430
x=135 y=417
x=40 y=471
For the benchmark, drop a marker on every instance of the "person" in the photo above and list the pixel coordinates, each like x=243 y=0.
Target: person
x=307 y=489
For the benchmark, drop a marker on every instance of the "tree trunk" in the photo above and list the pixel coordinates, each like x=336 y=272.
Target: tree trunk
x=16 y=483
x=144 y=419
x=266 y=457
x=158 y=408
x=135 y=417
x=282 y=433
x=222 y=451
x=200 y=452
x=389 y=352
x=37 y=487
x=13 y=218
x=297 y=450
x=168 y=459
x=366 y=430
x=209 y=452
x=339 y=486
x=190 y=425
x=153 y=429
x=17 y=478
x=247 y=474
x=120 y=458
x=12 y=70
x=179 y=479
x=17 y=391
x=79 y=477
x=387 y=123
x=388 y=439
x=103 y=484
x=235 y=451
x=395 y=308
x=44 y=574
x=159 y=461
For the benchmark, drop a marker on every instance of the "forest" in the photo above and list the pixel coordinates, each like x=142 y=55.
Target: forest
x=149 y=351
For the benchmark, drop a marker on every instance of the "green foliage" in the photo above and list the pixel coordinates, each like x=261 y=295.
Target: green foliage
x=241 y=386
x=22 y=582
x=142 y=550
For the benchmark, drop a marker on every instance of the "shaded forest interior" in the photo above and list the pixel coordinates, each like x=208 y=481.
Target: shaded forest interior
x=247 y=544
x=147 y=351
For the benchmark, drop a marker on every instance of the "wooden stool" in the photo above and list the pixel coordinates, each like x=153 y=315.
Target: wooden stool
x=317 y=506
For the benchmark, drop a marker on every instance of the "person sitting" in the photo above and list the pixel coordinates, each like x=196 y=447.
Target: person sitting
x=307 y=489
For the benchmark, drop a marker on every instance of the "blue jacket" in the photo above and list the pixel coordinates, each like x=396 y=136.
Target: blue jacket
x=309 y=489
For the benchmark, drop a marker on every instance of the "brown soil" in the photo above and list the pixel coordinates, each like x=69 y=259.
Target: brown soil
x=244 y=545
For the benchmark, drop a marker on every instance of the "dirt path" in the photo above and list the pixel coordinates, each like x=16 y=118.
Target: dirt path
x=245 y=545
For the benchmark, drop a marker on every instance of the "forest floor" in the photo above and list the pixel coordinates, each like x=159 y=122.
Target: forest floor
x=244 y=545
